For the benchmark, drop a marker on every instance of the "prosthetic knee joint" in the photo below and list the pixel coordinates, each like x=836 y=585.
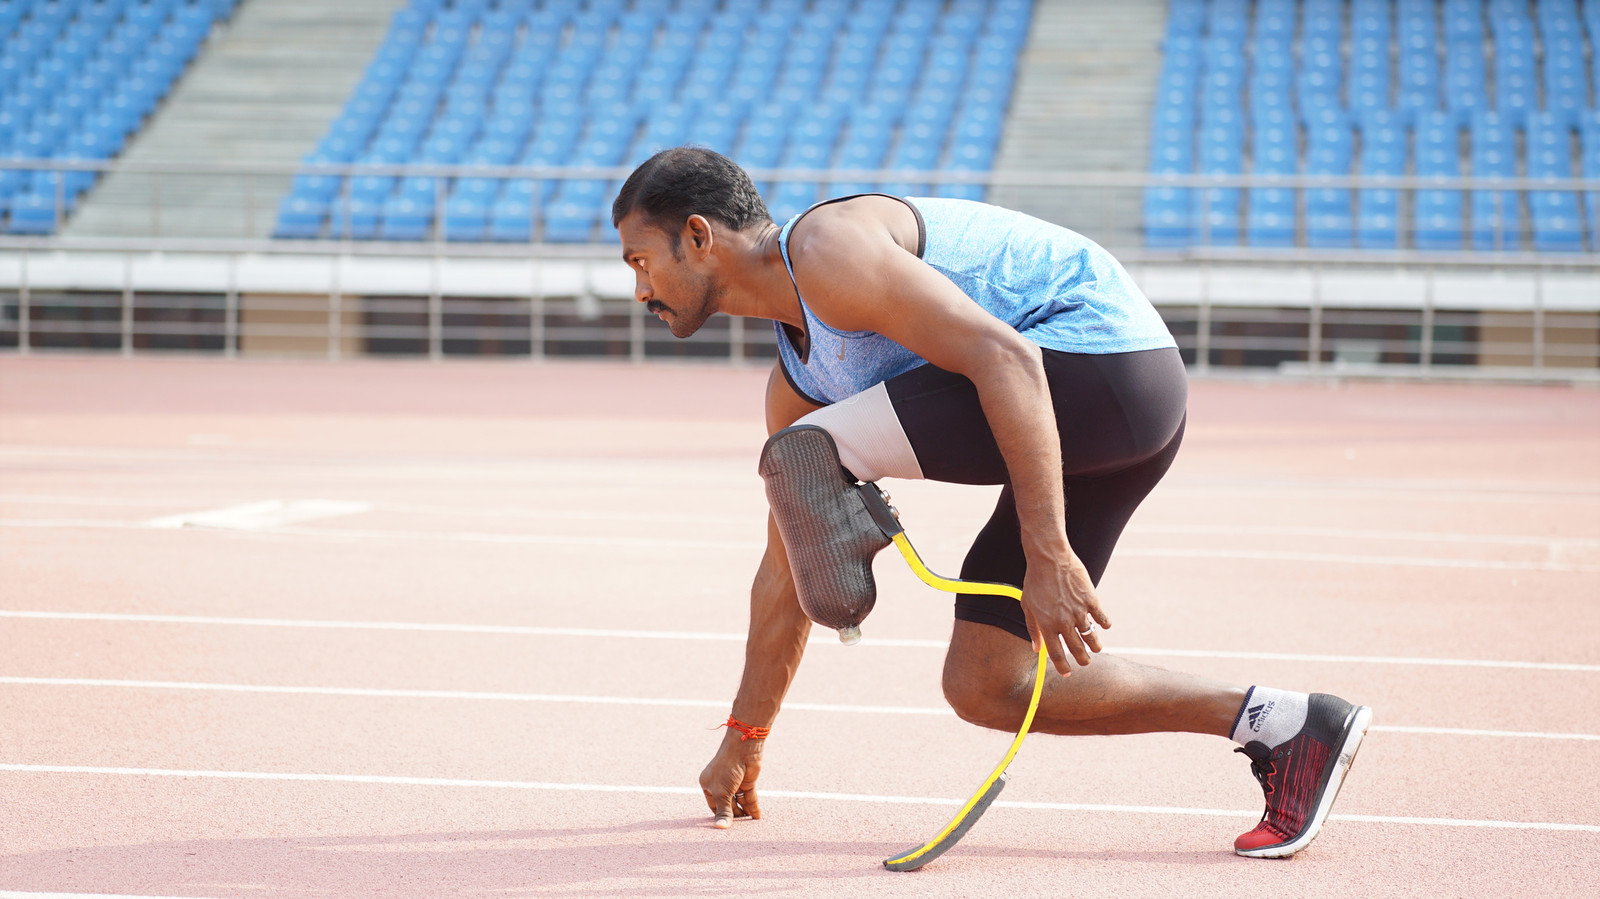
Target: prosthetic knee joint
x=831 y=526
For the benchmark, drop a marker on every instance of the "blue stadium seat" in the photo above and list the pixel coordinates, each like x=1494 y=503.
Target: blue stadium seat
x=406 y=218
x=1167 y=217
x=1378 y=208
x=1216 y=215
x=1589 y=135
x=1272 y=217
x=1329 y=219
x=511 y=219
x=1437 y=214
x=354 y=219
x=1465 y=90
x=1557 y=225
x=1515 y=90
x=1496 y=215
x=466 y=217
x=33 y=213
x=301 y=217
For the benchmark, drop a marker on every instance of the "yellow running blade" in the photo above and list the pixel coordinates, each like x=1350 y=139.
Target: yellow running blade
x=996 y=781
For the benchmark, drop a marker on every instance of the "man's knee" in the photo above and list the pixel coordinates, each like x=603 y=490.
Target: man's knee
x=985 y=691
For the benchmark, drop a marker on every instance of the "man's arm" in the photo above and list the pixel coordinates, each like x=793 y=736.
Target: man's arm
x=777 y=640
x=856 y=276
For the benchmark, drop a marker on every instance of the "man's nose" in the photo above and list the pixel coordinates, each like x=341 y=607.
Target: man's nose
x=641 y=289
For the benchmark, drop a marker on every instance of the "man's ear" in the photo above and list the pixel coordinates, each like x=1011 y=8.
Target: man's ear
x=697 y=232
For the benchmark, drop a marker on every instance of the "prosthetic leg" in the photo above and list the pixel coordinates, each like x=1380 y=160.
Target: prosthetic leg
x=832 y=526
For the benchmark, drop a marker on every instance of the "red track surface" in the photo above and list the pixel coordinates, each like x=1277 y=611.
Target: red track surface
x=1365 y=522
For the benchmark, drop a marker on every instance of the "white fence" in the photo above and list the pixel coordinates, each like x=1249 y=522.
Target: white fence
x=1434 y=314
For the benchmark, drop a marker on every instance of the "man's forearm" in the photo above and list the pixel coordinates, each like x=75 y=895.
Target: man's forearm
x=777 y=638
x=1016 y=400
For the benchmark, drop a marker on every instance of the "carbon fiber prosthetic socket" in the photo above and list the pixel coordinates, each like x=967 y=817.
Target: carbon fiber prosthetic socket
x=827 y=530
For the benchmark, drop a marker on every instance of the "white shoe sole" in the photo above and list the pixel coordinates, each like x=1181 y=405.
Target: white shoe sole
x=1361 y=719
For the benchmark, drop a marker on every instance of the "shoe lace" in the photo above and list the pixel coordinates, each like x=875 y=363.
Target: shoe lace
x=1264 y=768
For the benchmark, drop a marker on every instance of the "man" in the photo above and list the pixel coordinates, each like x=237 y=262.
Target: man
x=963 y=342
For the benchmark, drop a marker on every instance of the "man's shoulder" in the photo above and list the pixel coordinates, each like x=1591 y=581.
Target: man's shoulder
x=840 y=228
x=862 y=208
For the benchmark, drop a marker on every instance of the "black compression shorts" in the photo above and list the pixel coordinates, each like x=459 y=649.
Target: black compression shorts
x=1120 y=417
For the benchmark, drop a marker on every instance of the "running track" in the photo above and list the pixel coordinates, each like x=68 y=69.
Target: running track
x=296 y=629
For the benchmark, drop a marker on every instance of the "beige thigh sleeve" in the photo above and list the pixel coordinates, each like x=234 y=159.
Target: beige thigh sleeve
x=871 y=442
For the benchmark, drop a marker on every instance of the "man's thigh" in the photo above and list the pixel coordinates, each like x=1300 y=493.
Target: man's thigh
x=1111 y=412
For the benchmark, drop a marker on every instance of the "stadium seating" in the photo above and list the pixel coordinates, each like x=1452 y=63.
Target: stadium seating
x=861 y=85
x=1590 y=133
x=77 y=79
x=1496 y=215
x=1301 y=85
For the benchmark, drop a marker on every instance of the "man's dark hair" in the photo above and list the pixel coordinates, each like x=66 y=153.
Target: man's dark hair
x=683 y=181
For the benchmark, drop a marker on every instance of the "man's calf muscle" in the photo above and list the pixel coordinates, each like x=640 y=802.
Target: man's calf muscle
x=988 y=679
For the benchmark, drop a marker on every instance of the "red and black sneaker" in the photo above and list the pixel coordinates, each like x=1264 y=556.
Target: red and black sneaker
x=1302 y=777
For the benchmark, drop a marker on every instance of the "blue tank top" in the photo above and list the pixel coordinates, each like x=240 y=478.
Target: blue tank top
x=1056 y=287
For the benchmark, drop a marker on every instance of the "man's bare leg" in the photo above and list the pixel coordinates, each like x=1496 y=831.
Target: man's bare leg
x=988 y=679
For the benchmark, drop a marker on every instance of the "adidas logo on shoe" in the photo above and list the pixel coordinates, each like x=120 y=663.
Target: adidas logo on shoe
x=1257 y=714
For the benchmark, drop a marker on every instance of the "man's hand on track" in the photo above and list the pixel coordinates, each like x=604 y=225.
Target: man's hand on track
x=729 y=781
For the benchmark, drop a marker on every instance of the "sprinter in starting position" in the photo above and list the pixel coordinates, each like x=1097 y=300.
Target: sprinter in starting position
x=962 y=342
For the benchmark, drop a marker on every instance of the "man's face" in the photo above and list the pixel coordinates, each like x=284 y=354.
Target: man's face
x=673 y=285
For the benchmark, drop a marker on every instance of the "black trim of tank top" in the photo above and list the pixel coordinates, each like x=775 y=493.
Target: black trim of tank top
x=799 y=340
x=796 y=387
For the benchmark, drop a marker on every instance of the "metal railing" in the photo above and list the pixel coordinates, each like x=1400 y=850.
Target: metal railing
x=337 y=327
x=1315 y=320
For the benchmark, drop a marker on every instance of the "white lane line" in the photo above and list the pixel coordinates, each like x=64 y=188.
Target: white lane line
x=265 y=515
x=543 y=514
x=102 y=524
x=512 y=539
x=818 y=639
x=424 y=627
x=1348 y=659
x=614 y=542
x=369 y=692
x=1425 y=490
x=1227 y=530
x=1351 y=559
x=670 y=702
x=1475 y=732
x=777 y=794
x=13 y=894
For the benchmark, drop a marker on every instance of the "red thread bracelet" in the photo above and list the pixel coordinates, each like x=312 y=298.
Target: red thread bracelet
x=747 y=731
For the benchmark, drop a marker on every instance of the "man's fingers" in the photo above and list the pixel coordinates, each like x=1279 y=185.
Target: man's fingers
x=1098 y=614
x=749 y=804
x=722 y=812
x=742 y=804
x=1058 y=655
x=1076 y=647
x=1091 y=640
